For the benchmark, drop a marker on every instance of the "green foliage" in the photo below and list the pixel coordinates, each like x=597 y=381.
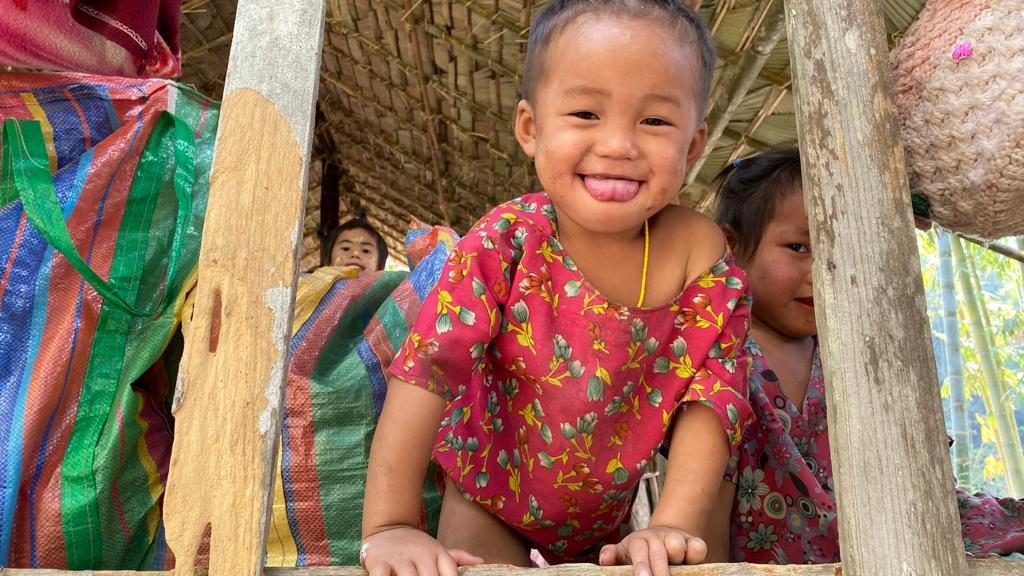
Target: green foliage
x=999 y=291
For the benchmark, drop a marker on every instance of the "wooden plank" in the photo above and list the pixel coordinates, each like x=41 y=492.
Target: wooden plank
x=975 y=567
x=228 y=396
x=893 y=476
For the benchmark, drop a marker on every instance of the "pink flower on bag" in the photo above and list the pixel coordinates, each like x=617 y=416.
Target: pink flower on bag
x=963 y=50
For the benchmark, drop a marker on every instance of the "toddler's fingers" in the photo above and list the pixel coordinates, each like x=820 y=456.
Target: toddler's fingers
x=696 y=550
x=675 y=546
x=658 y=557
x=378 y=569
x=612 y=554
x=402 y=568
x=427 y=566
x=446 y=565
x=639 y=556
x=463 y=558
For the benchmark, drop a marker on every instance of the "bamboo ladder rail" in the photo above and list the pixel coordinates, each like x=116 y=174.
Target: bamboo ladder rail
x=228 y=403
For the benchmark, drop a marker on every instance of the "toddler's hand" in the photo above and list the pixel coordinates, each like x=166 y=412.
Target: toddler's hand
x=408 y=551
x=653 y=550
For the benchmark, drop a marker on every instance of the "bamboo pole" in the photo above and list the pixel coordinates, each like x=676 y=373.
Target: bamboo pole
x=747 y=70
x=954 y=362
x=1007 y=438
x=892 y=470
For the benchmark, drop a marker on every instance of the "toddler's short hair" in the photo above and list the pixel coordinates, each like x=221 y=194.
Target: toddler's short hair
x=559 y=13
x=749 y=191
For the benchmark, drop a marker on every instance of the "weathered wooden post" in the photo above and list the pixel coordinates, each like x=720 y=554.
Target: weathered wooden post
x=228 y=398
x=894 y=482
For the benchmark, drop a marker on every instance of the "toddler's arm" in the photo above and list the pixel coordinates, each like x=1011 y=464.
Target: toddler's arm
x=695 y=466
x=405 y=435
x=719 y=523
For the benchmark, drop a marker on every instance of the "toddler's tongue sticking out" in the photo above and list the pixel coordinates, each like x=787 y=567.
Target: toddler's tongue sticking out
x=611 y=189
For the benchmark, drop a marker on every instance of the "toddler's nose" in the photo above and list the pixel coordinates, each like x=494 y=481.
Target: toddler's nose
x=617 y=142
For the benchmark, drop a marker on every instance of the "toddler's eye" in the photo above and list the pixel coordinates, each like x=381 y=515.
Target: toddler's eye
x=800 y=248
x=655 y=122
x=584 y=115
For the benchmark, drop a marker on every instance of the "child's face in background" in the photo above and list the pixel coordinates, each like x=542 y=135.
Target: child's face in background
x=779 y=272
x=355 y=247
x=614 y=122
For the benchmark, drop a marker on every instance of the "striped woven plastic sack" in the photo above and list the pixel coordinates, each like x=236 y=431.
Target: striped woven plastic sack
x=346 y=333
x=103 y=188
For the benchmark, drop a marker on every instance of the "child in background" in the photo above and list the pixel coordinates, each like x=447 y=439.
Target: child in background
x=357 y=243
x=575 y=330
x=778 y=505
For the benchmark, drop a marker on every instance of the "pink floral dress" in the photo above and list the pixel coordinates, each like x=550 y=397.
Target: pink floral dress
x=558 y=398
x=785 y=512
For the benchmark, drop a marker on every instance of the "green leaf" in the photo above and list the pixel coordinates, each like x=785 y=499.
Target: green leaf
x=568 y=432
x=715 y=351
x=661 y=365
x=545 y=460
x=520 y=312
x=734 y=283
x=585 y=424
x=650 y=346
x=562 y=350
x=503 y=459
x=478 y=288
x=620 y=476
x=545 y=433
x=443 y=323
x=595 y=389
x=679 y=347
x=467 y=316
x=565 y=530
x=482 y=479
x=575 y=368
x=572 y=288
x=654 y=397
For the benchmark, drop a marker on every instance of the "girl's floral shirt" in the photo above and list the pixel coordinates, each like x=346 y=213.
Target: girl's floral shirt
x=785 y=511
x=557 y=397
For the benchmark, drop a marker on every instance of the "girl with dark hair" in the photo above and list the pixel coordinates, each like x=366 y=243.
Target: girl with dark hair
x=357 y=243
x=777 y=503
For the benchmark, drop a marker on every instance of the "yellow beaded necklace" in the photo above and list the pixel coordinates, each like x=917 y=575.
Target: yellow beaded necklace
x=643 y=275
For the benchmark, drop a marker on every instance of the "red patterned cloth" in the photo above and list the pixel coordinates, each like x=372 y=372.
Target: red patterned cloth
x=558 y=398
x=785 y=511
x=108 y=37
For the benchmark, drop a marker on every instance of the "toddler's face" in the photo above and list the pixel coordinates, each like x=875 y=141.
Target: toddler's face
x=355 y=247
x=613 y=125
x=779 y=272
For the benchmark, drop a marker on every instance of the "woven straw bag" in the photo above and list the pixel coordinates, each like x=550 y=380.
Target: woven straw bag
x=959 y=79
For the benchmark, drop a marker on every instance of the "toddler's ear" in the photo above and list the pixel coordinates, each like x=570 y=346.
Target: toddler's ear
x=526 y=128
x=697 y=144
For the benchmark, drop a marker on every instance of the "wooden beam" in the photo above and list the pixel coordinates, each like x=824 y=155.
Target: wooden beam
x=975 y=567
x=892 y=470
x=228 y=396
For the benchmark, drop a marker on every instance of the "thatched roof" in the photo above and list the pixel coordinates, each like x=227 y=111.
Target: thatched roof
x=417 y=99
